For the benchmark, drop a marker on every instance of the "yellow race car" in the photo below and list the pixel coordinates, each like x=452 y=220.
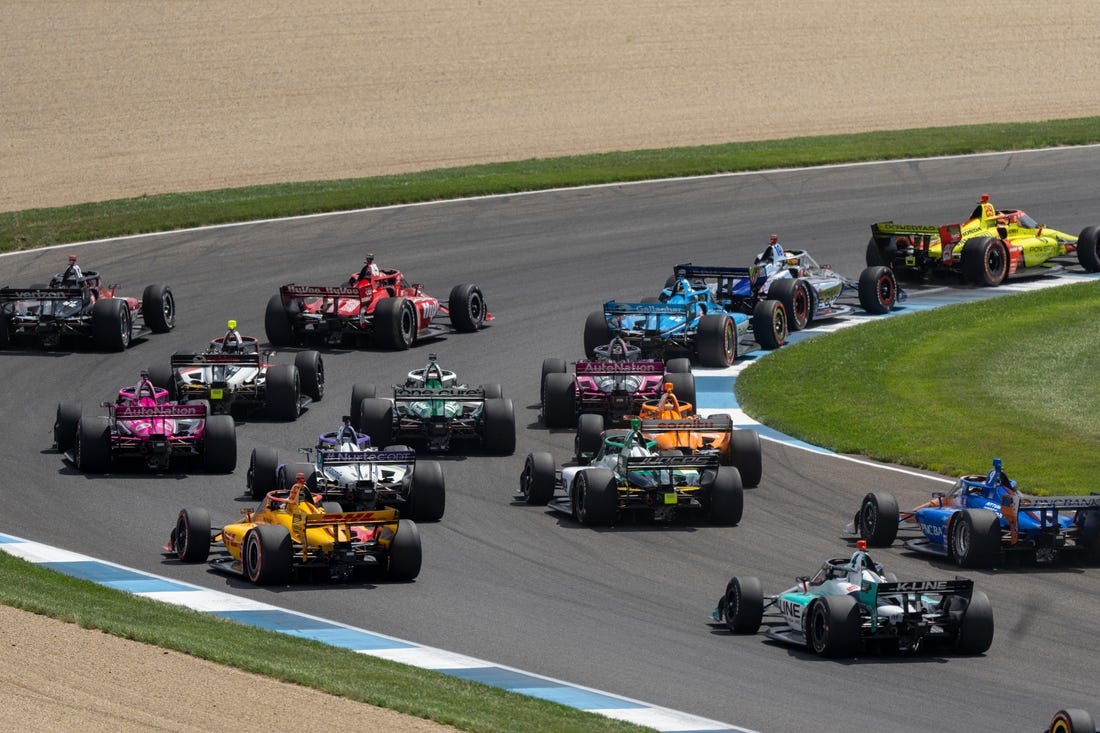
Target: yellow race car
x=987 y=249
x=290 y=537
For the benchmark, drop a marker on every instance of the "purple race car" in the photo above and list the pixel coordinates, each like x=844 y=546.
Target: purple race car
x=615 y=384
x=143 y=424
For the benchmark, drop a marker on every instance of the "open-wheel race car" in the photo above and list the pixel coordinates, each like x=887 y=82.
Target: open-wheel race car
x=991 y=246
x=615 y=384
x=375 y=306
x=291 y=538
x=234 y=374
x=144 y=426
x=852 y=605
x=627 y=476
x=75 y=304
x=672 y=425
x=686 y=320
x=346 y=468
x=432 y=408
x=985 y=521
x=808 y=291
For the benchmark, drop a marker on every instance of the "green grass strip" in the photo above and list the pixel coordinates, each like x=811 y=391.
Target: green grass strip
x=41 y=227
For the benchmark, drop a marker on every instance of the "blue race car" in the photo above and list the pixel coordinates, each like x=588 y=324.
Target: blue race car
x=985 y=521
x=685 y=320
x=808 y=291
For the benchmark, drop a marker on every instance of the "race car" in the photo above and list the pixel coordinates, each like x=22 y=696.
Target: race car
x=433 y=409
x=345 y=467
x=853 y=604
x=142 y=425
x=375 y=306
x=985 y=521
x=808 y=291
x=686 y=320
x=291 y=538
x=673 y=426
x=986 y=249
x=614 y=384
x=233 y=373
x=628 y=477
x=76 y=305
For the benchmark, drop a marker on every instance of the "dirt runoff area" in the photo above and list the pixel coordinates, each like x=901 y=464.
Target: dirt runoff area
x=116 y=98
x=108 y=99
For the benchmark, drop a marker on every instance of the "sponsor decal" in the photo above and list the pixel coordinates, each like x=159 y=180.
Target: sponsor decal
x=593 y=368
x=129 y=412
x=791 y=609
x=654 y=426
x=931 y=530
x=67 y=294
x=346 y=456
x=923 y=585
x=445 y=393
x=320 y=290
x=428 y=308
x=652 y=309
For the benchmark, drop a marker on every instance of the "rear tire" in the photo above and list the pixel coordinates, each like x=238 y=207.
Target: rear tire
x=283 y=387
x=191 y=539
x=311 y=374
x=262 y=476
x=65 y=424
x=744 y=605
x=683 y=386
x=679 y=365
x=268 y=555
x=219 y=450
x=595 y=497
x=552 y=365
x=596 y=333
x=878 y=290
x=277 y=323
x=716 y=340
x=536 y=483
x=833 y=626
x=467 y=308
x=1088 y=249
x=727 y=497
x=976 y=626
x=559 y=406
x=1072 y=720
x=428 y=498
x=376 y=420
x=111 y=324
x=769 y=324
x=796 y=297
x=500 y=426
x=747 y=456
x=360 y=392
x=395 y=323
x=92 y=449
x=406 y=555
x=589 y=438
x=985 y=261
x=158 y=308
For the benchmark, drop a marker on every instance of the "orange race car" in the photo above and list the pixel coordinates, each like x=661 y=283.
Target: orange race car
x=674 y=426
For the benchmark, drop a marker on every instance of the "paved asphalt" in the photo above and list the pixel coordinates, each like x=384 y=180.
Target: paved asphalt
x=620 y=609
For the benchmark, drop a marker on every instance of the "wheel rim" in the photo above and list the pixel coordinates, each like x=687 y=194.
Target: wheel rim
x=868 y=520
x=578 y=501
x=168 y=307
x=962 y=539
x=408 y=324
x=779 y=324
x=525 y=480
x=801 y=306
x=729 y=342
x=886 y=291
x=125 y=328
x=733 y=605
x=180 y=544
x=819 y=630
x=995 y=260
x=477 y=307
x=252 y=557
x=78 y=452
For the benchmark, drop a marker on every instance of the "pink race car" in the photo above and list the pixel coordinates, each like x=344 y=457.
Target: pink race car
x=143 y=424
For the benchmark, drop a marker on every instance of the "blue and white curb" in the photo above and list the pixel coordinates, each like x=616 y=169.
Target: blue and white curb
x=273 y=618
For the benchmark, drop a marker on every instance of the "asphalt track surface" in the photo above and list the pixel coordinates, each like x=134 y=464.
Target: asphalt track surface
x=622 y=609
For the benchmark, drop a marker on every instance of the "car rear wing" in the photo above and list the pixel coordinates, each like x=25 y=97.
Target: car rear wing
x=1058 y=503
x=416 y=394
x=180 y=361
x=725 y=277
x=665 y=463
x=606 y=368
x=137 y=412
x=356 y=458
x=713 y=424
x=614 y=308
x=290 y=291
x=962 y=587
x=10 y=295
x=348 y=519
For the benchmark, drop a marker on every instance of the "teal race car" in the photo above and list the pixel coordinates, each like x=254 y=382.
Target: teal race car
x=853 y=605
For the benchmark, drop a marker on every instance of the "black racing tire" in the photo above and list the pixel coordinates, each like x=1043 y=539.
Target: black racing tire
x=589 y=437
x=683 y=386
x=559 y=405
x=311 y=374
x=744 y=604
x=283 y=391
x=376 y=420
x=5 y=332
x=395 y=323
x=406 y=553
x=877 y=519
x=219 y=450
x=500 y=426
x=92 y=449
x=287 y=474
x=878 y=290
x=65 y=424
x=360 y=392
x=112 y=328
x=716 y=340
x=679 y=365
x=769 y=324
x=428 y=494
x=1071 y=720
x=492 y=390
x=595 y=497
x=263 y=468
x=467 y=307
x=191 y=538
x=158 y=308
x=833 y=626
x=596 y=333
x=536 y=482
x=797 y=298
x=974 y=538
x=976 y=626
x=875 y=257
x=268 y=555
x=1088 y=249
x=163 y=376
x=277 y=324
x=552 y=365
x=726 y=499
x=747 y=456
x=985 y=261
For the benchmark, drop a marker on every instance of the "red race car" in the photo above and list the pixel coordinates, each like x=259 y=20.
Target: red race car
x=376 y=306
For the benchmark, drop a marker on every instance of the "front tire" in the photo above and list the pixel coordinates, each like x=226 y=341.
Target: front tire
x=975 y=536
x=727 y=497
x=769 y=324
x=376 y=420
x=747 y=456
x=263 y=467
x=395 y=323
x=536 y=483
x=589 y=436
x=65 y=424
x=428 y=499
x=976 y=626
x=744 y=605
x=796 y=297
x=311 y=374
x=1088 y=249
x=406 y=554
x=283 y=387
x=877 y=521
x=878 y=290
x=219 y=450
x=92 y=449
x=277 y=323
x=559 y=406
x=158 y=308
x=500 y=426
x=596 y=333
x=111 y=324
x=467 y=308
x=191 y=540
